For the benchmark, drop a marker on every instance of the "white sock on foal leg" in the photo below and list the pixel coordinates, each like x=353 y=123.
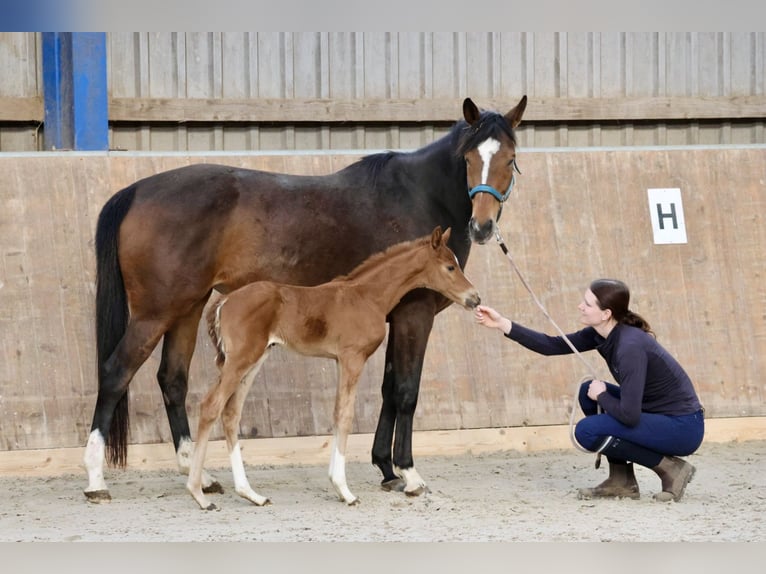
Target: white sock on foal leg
x=241 y=484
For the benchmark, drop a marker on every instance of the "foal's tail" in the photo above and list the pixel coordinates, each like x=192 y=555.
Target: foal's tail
x=214 y=330
x=112 y=311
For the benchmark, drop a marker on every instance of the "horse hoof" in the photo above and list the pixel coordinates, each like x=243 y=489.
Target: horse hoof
x=98 y=496
x=355 y=502
x=213 y=488
x=393 y=485
x=422 y=489
x=211 y=506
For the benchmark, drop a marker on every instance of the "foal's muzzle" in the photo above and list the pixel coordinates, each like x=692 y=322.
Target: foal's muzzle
x=472 y=301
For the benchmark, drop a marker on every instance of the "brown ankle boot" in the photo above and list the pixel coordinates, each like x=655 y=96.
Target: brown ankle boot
x=675 y=474
x=620 y=484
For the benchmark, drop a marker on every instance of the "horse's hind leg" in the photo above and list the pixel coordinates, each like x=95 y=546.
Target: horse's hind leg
x=173 y=376
x=134 y=348
x=210 y=409
x=232 y=414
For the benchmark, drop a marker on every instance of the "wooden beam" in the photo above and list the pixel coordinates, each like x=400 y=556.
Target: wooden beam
x=28 y=109
x=286 y=111
x=316 y=449
x=178 y=110
x=646 y=108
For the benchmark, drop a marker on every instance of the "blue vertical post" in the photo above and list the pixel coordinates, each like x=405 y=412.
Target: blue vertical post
x=74 y=91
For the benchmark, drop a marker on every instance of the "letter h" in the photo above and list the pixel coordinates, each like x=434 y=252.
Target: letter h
x=672 y=215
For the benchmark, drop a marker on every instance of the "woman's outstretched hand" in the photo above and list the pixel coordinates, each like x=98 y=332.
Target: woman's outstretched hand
x=488 y=317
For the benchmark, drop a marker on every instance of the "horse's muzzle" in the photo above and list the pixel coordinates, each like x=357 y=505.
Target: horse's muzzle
x=481 y=233
x=472 y=301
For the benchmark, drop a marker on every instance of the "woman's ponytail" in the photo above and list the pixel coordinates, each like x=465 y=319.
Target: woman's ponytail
x=614 y=295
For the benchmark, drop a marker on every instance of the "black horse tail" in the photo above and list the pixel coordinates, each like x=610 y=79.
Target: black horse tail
x=112 y=311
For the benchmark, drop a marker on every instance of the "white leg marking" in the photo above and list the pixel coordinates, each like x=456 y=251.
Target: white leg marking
x=241 y=484
x=184 y=455
x=487 y=149
x=184 y=458
x=415 y=485
x=94 y=462
x=338 y=475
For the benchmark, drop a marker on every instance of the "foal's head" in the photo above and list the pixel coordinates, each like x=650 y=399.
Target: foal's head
x=444 y=272
x=488 y=145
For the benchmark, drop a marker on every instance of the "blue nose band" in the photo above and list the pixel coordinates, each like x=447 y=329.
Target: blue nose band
x=501 y=197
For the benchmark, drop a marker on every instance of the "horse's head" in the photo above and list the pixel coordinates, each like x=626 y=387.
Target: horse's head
x=446 y=276
x=488 y=145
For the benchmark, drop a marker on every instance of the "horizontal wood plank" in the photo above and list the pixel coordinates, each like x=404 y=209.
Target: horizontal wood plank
x=28 y=109
x=430 y=110
x=316 y=449
x=204 y=110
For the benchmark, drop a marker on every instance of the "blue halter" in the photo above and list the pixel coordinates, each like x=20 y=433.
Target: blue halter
x=484 y=188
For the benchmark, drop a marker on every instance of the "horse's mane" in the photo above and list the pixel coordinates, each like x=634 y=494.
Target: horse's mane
x=374 y=260
x=369 y=167
x=462 y=138
x=490 y=124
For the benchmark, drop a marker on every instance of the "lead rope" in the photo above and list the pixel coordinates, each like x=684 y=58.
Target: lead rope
x=566 y=339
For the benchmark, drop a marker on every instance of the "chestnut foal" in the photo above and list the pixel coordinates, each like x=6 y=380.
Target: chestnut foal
x=343 y=319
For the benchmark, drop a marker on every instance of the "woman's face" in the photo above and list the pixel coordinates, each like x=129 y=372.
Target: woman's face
x=590 y=313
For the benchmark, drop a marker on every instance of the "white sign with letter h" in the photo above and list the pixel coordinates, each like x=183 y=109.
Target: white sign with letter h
x=667 y=213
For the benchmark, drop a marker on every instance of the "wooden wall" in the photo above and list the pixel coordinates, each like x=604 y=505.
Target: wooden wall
x=575 y=215
x=195 y=91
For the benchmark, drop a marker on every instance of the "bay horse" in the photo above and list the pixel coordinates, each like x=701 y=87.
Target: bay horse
x=165 y=242
x=343 y=319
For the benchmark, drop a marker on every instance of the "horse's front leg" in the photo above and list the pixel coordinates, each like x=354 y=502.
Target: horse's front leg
x=410 y=326
x=172 y=376
x=350 y=368
x=384 y=433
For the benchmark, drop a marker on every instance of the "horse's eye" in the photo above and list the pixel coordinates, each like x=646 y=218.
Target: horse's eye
x=450 y=267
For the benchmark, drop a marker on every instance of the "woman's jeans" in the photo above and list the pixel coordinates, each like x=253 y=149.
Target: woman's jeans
x=646 y=443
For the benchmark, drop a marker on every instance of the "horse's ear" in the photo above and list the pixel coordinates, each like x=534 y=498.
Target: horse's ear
x=436 y=236
x=514 y=116
x=470 y=112
x=445 y=235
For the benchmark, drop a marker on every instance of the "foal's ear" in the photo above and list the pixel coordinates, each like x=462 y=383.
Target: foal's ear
x=445 y=235
x=436 y=237
x=470 y=112
x=514 y=116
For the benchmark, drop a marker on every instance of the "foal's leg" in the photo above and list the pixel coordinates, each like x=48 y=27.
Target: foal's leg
x=232 y=414
x=210 y=409
x=350 y=369
x=173 y=375
x=134 y=348
x=410 y=326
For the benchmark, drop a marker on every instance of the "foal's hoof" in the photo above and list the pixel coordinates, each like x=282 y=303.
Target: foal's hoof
x=98 y=496
x=393 y=485
x=213 y=488
x=211 y=506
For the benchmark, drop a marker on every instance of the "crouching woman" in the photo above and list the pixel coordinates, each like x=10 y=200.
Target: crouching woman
x=651 y=417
